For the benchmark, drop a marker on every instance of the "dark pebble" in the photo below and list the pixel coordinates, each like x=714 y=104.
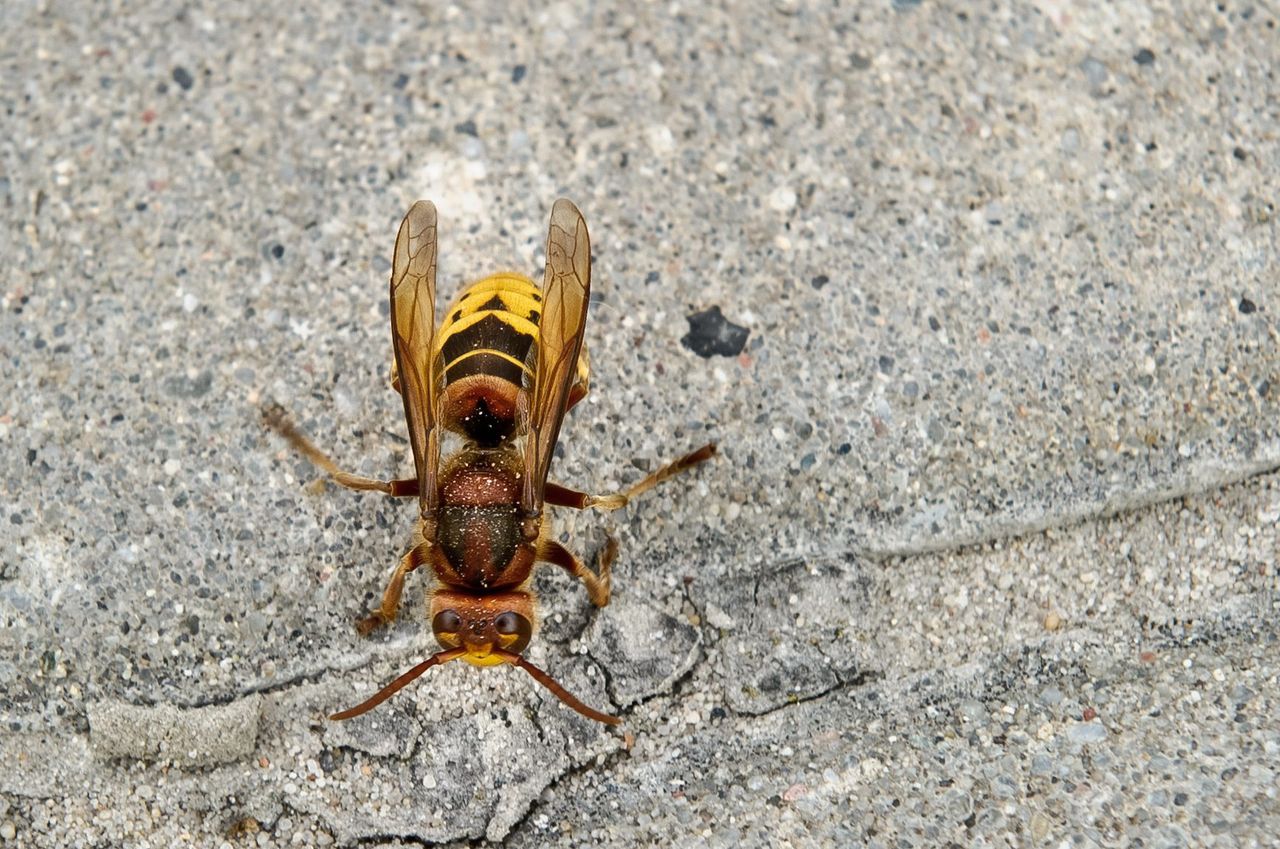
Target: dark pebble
x=819 y=281
x=1144 y=57
x=183 y=78
x=711 y=334
x=1247 y=306
x=517 y=73
x=467 y=128
x=181 y=386
x=277 y=250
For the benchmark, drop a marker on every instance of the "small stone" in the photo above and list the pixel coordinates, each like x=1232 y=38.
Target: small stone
x=1094 y=72
x=795 y=791
x=1087 y=732
x=1050 y=696
x=711 y=334
x=782 y=199
x=660 y=138
x=718 y=618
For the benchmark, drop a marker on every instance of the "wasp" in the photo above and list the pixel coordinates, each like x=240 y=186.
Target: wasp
x=489 y=385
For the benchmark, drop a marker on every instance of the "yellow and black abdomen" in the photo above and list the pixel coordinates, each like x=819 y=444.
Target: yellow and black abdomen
x=485 y=345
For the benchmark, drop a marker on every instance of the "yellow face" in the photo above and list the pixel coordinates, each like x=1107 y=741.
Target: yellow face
x=481 y=623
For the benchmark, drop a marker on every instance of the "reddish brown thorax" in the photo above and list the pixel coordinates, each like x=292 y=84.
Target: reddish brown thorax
x=479 y=532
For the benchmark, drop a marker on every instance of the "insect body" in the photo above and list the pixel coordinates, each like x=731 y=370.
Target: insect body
x=496 y=377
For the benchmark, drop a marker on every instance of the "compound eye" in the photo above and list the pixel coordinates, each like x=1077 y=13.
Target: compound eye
x=447 y=621
x=514 y=631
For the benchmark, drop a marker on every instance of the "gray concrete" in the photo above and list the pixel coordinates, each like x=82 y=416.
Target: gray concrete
x=989 y=554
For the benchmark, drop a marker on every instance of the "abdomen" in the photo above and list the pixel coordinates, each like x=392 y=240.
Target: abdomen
x=486 y=343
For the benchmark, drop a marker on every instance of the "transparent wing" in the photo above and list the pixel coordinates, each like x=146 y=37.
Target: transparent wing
x=413 y=329
x=565 y=291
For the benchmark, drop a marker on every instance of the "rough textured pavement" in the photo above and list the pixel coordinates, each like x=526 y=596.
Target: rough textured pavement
x=980 y=304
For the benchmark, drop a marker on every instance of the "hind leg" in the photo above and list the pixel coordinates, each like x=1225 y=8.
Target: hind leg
x=276 y=418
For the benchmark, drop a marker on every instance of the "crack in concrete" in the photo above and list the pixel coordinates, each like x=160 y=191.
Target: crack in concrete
x=384 y=839
x=1183 y=486
x=856 y=681
x=614 y=702
x=273 y=688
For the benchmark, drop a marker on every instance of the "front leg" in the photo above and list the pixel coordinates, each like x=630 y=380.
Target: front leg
x=390 y=606
x=598 y=583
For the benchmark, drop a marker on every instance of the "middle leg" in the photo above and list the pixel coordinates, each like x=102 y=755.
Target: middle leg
x=390 y=605
x=563 y=496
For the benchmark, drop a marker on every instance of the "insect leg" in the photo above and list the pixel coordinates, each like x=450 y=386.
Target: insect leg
x=562 y=496
x=276 y=418
x=599 y=582
x=390 y=606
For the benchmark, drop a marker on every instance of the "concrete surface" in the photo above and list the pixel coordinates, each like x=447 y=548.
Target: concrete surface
x=979 y=302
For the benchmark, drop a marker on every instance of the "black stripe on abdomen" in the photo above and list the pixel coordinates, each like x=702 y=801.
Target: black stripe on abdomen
x=490 y=333
x=484 y=363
